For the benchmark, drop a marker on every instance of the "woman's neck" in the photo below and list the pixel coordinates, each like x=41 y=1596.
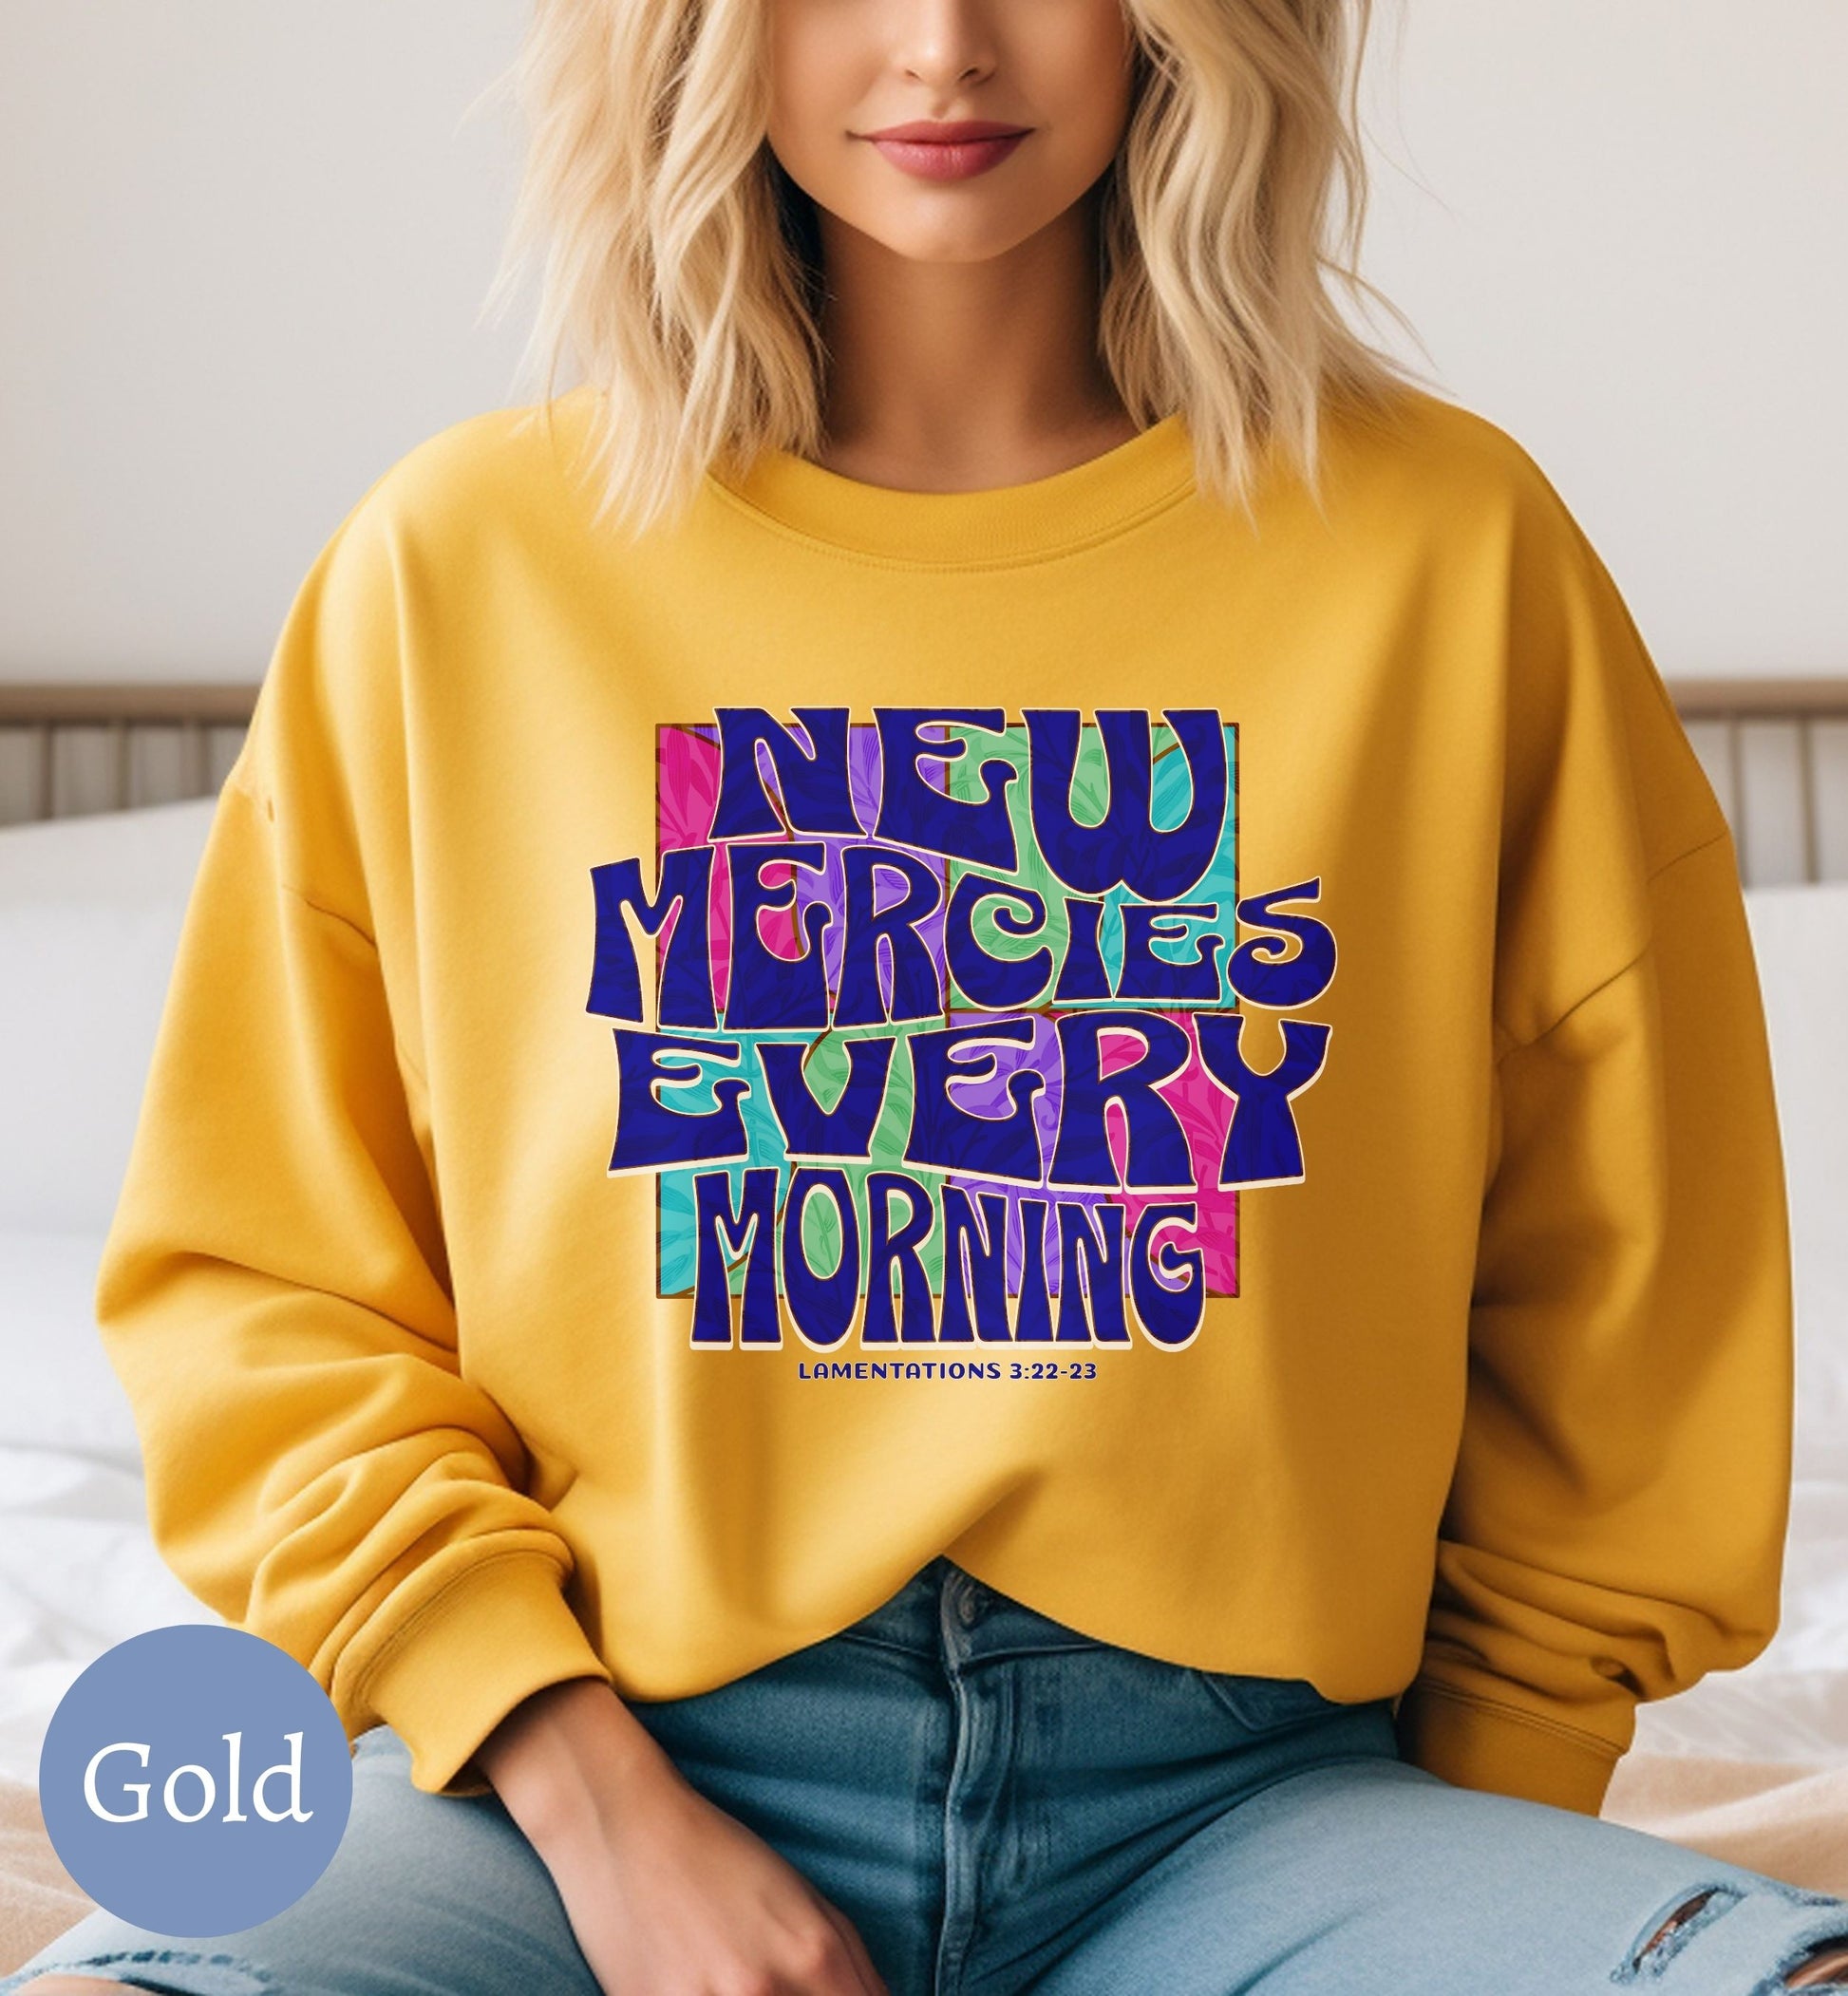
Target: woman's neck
x=953 y=377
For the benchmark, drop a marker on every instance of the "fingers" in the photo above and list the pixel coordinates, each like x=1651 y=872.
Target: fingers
x=867 y=1978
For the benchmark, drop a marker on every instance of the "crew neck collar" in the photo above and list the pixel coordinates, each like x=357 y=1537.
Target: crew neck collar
x=993 y=528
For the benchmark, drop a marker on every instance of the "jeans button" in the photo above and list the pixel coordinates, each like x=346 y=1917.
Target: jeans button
x=969 y=1603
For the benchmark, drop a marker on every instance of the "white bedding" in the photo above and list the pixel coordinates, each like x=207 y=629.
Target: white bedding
x=78 y=1569
x=78 y=1574
x=89 y=915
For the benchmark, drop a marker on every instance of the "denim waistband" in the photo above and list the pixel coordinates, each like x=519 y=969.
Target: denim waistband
x=941 y=1605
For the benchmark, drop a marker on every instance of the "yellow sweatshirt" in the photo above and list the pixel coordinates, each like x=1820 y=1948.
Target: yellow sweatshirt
x=1209 y=1067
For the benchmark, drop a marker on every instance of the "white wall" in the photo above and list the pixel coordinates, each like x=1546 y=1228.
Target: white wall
x=1630 y=247
x=242 y=249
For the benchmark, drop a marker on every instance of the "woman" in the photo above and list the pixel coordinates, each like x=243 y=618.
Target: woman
x=949 y=1464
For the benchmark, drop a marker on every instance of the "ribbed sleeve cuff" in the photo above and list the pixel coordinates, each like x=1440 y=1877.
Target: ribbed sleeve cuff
x=501 y=1631
x=1476 y=1744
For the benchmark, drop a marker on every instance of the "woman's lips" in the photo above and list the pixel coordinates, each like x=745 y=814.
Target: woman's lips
x=945 y=158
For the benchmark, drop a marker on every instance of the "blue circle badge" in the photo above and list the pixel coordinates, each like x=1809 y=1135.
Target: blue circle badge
x=195 y=1780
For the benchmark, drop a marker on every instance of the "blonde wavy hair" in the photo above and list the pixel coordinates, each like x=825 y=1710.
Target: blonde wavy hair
x=680 y=264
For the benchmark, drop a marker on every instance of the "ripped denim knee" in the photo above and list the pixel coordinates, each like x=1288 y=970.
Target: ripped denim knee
x=171 y=1971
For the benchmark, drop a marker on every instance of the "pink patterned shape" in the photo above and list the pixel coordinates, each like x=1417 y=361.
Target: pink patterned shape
x=686 y=795
x=1204 y=1110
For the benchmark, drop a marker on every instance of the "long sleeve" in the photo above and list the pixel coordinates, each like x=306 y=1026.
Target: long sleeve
x=1614 y=1526
x=273 y=1290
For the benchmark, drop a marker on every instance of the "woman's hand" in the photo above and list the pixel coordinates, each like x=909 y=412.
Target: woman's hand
x=666 y=1894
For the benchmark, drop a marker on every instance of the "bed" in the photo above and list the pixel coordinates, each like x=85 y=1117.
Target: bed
x=106 y=794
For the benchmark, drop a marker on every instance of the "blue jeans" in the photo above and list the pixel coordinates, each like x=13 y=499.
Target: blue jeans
x=1004 y=1806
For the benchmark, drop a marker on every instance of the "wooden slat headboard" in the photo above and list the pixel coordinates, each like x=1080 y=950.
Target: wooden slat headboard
x=70 y=749
x=1776 y=751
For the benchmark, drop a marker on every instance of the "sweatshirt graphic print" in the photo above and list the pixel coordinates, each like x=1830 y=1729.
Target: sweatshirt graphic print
x=950 y=1026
